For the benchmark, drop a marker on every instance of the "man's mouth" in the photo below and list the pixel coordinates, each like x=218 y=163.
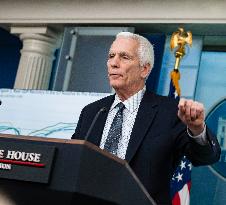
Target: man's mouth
x=115 y=75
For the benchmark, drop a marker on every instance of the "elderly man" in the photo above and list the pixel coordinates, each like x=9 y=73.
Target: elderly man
x=151 y=132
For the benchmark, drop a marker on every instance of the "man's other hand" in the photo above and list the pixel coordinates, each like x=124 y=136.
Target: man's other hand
x=192 y=114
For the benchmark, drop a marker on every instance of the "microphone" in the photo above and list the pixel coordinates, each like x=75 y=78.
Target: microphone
x=103 y=109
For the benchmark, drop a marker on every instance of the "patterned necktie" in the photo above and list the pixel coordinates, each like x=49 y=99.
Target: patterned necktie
x=115 y=132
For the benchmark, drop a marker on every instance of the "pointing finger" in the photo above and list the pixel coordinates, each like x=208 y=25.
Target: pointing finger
x=188 y=110
x=194 y=113
x=181 y=105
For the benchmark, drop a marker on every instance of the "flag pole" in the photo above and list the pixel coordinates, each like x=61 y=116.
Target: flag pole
x=178 y=41
x=181 y=180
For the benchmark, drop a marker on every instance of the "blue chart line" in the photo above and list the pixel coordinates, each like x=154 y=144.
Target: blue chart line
x=59 y=127
x=8 y=128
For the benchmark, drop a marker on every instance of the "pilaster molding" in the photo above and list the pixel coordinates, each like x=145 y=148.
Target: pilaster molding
x=37 y=55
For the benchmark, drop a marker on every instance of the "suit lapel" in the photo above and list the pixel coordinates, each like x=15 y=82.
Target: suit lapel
x=96 y=134
x=144 y=119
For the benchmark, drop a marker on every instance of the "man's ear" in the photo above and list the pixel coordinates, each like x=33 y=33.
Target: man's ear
x=146 y=69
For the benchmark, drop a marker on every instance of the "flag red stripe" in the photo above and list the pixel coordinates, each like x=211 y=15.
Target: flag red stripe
x=189 y=186
x=176 y=199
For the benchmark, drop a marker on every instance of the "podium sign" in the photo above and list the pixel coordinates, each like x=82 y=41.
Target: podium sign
x=26 y=161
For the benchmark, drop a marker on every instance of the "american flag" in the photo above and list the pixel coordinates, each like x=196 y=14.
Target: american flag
x=181 y=181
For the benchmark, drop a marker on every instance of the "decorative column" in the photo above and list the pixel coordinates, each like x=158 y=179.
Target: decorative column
x=35 y=64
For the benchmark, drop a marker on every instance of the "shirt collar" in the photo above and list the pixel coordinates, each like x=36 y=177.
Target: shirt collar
x=132 y=103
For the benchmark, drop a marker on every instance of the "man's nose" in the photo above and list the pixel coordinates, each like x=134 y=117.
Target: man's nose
x=114 y=62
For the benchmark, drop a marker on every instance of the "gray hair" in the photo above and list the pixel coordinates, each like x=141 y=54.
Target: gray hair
x=145 y=49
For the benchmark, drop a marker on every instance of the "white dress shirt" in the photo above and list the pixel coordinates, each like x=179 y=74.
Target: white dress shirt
x=129 y=114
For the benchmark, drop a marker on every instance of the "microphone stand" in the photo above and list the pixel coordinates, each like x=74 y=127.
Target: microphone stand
x=103 y=109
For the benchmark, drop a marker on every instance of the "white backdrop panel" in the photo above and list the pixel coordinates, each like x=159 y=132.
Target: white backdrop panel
x=42 y=113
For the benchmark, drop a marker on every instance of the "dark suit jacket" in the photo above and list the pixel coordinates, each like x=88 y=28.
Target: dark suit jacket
x=158 y=141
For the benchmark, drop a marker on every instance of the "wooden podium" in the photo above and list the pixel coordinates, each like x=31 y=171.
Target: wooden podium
x=67 y=172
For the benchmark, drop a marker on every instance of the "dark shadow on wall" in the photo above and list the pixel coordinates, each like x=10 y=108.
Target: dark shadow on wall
x=10 y=46
x=158 y=42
